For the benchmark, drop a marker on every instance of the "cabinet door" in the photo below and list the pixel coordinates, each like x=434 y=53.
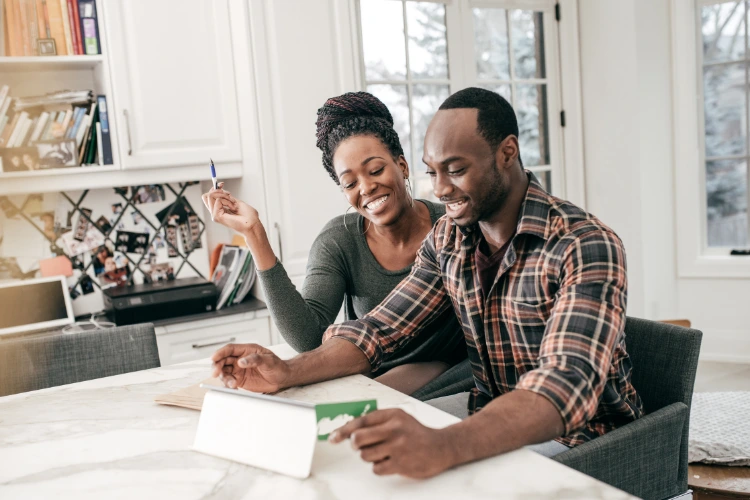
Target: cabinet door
x=173 y=82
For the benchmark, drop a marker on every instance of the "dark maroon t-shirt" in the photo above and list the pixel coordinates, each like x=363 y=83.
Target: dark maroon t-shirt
x=487 y=266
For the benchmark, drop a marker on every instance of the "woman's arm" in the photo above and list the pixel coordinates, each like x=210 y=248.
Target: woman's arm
x=300 y=317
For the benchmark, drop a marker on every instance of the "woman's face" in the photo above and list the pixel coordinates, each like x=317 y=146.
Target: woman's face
x=372 y=181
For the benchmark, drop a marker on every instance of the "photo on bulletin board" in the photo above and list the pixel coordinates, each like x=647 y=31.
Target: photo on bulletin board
x=103 y=257
x=116 y=272
x=59 y=153
x=148 y=194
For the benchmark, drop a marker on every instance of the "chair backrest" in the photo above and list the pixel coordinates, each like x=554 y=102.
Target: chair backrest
x=31 y=363
x=665 y=361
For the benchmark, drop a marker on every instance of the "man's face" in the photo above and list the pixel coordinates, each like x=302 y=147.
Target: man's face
x=465 y=172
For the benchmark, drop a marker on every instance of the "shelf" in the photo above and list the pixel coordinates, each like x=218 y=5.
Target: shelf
x=106 y=176
x=49 y=63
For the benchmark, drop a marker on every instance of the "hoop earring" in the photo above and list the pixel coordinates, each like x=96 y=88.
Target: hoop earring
x=409 y=191
x=347 y=229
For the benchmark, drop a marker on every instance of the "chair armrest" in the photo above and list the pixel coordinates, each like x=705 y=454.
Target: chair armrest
x=642 y=457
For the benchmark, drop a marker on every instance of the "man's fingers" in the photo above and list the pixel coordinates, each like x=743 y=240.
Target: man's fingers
x=370 y=436
x=257 y=359
x=236 y=351
x=376 y=453
x=384 y=467
x=371 y=419
x=228 y=380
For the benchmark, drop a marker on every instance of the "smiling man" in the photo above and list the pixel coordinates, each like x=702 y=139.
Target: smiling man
x=538 y=285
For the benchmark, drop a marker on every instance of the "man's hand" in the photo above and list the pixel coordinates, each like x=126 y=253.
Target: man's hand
x=251 y=367
x=395 y=443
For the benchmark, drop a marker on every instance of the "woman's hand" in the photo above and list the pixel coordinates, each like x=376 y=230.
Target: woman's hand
x=229 y=211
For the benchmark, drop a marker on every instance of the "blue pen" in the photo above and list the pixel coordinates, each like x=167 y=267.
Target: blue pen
x=213 y=175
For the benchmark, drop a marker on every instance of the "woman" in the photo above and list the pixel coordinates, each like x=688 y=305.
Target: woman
x=359 y=257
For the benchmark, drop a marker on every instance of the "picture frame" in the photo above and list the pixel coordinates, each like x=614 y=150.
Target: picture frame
x=56 y=154
x=20 y=159
x=46 y=47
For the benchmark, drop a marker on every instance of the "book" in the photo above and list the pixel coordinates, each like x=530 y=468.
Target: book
x=67 y=17
x=28 y=129
x=24 y=28
x=3 y=123
x=9 y=130
x=247 y=280
x=90 y=155
x=226 y=272
x=89 y=27
x=106 y=141
x=77 y=118
x=77 y=31
x=56 y=27
x=33 y=26
x=41 y=124
x=5 y=106
x=17 y=130
x=47 y=132
x=99 y=152
x=4 y=93
x=66 y=123
x=13 y=16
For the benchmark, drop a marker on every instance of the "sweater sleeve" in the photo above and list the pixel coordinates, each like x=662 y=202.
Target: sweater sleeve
x=303 y=317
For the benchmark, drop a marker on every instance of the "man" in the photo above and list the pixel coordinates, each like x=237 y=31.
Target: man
x=538 y=284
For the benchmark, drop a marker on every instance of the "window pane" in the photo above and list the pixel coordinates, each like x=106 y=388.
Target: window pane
x=396 y=99
x=726 y=191
x=545 y=179
x=527 y=29
x=491 y=44
x=533 y=124
x=428 y=56
x=723 y=27
x=426 y=99
x=724 y=104
x=383 y=39
x=503 y=89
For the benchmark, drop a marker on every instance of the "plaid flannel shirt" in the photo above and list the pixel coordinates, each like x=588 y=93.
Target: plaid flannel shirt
x=552 y=323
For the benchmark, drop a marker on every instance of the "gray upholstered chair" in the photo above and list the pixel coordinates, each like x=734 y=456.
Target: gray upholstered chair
x=31 y=363
x=648 y=457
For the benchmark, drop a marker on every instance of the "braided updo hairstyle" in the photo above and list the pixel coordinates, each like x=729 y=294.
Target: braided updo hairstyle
x=352 y=114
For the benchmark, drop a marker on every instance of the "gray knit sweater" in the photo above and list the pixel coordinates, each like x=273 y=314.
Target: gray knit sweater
x=342 y=269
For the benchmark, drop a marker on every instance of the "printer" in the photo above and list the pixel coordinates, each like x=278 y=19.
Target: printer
x=159 y=300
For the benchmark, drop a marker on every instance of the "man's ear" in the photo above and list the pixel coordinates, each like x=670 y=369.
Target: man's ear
x=507 y=152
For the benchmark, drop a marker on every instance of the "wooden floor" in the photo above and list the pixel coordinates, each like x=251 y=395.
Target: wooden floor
x=711 y=482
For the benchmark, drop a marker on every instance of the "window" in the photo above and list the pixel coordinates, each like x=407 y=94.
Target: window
x=416 y=53
x=723 y=59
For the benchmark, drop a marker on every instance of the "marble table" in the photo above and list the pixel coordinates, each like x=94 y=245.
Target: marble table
x=106 y=438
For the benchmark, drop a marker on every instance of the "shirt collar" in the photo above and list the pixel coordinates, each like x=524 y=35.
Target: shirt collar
x=533 y=218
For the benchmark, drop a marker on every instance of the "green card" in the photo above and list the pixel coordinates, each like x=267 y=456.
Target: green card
x=331 y=416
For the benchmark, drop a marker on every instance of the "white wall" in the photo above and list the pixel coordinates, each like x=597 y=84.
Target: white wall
x=626 y=59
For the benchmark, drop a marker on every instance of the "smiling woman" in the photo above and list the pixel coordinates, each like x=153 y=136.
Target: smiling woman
x=359 y=257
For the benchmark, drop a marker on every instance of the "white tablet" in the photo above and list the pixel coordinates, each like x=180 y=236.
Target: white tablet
x=35 y=304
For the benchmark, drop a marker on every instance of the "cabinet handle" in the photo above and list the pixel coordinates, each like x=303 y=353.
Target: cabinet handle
x=127 y=129
x=278 y=239
x=221 y=342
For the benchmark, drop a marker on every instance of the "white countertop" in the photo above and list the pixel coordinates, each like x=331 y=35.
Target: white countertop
x=106 y=438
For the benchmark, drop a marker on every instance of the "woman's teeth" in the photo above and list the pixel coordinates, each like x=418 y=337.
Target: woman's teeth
x=375 y=204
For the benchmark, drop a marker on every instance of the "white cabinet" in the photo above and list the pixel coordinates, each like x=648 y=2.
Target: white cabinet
x=173 y=82
x=182 y=342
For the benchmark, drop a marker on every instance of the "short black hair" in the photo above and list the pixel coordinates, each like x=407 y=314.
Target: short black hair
x=496 y=119
x=351 y=114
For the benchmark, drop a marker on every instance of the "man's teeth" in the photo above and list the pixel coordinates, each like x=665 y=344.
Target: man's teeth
x=456 y=205
x=376 y=203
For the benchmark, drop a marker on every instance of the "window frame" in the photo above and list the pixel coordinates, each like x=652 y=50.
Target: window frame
x=695 y=259
x=563 y=79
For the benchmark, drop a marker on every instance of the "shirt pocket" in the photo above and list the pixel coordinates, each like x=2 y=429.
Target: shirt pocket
x=531 y=314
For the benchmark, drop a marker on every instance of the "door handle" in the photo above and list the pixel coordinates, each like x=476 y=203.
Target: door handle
x=210 y=344
x=127 y=129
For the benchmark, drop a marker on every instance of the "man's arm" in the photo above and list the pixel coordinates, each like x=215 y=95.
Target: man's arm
x=554 y=400
x=350 y=348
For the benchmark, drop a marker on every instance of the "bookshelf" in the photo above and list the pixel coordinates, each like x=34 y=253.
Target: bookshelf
x=169 y=110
